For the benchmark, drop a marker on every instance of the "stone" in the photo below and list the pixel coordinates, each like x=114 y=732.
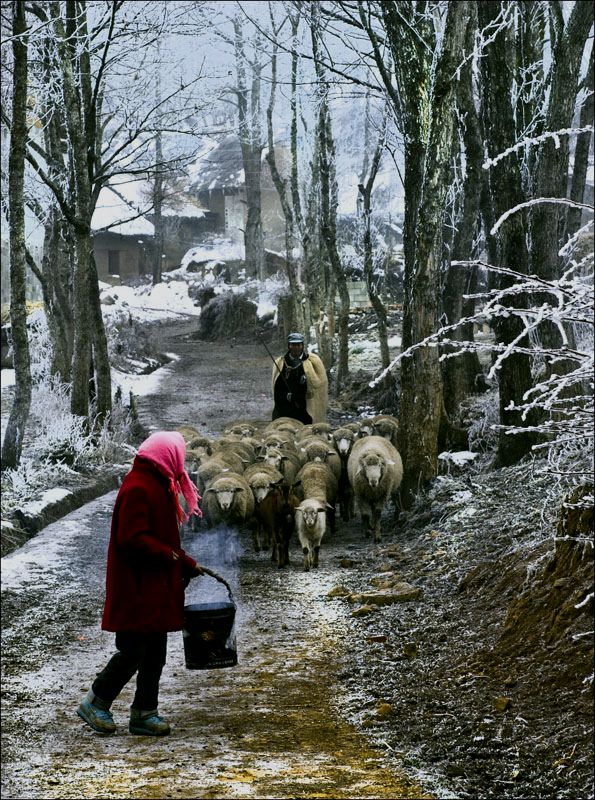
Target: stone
x=362 y=611
x=338 y=591
x=399 y=593
x=501 y=703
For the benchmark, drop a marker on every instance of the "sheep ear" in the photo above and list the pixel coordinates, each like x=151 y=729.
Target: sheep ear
x=321 y=510
x=388 y=461
x=331 y=453
x=238 y=489
x=209 y=490
x=330 y=507
x=359 y=469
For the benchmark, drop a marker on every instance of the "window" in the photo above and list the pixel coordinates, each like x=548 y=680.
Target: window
x=113 y=262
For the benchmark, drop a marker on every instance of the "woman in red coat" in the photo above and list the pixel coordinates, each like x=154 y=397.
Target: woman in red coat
x=147 y=572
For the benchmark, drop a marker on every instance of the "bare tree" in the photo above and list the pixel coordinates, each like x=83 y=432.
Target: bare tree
x=286 y=196
x=329 y=202
x=19 y=413
x=365 y=190
x=251 y=144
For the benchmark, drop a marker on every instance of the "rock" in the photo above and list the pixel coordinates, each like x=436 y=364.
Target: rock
x=346 y=563
x=400 y=593
x=410 y=649
x=384 y=710
x=338 y=591
x=362 y=611
x=501 y=703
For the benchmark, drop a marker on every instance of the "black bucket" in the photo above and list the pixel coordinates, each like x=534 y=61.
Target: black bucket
x=209 y=633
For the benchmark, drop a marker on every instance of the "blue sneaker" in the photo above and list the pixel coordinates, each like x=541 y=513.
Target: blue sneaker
x=100 y=719
x=147 y=723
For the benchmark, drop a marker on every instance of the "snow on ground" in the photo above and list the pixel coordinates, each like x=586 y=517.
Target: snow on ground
x=7 y=378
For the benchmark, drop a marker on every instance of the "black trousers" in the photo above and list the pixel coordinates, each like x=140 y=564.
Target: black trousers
x=144 y=653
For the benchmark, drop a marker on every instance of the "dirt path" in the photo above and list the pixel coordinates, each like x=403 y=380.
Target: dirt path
x=269 y=728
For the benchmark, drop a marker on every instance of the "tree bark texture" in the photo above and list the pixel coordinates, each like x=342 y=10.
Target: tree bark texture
x=296 y=290
x=329 y=202
x=250 y=141
x=460 y=373
x=510 y=244
x=19 y=413
x=581 y=159
x=421 y=378
x=365 y=189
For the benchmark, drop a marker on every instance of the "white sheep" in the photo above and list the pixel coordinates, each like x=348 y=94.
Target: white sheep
x=229 y=499
x=310 y=521
x=375 y=472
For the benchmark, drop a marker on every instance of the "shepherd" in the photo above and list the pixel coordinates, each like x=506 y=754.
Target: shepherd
x=147 y=572
x=300 y=384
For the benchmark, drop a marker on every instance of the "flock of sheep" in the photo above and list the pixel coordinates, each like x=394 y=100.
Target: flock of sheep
x=287 y=476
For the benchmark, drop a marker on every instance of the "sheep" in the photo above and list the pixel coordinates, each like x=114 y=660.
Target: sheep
x=284 y=424
x=310 y=521
x=229 y=499
x=315 y=481
x=208 y=470
x=289 y=464
x=274 y=513
x=343 y=438
x=200 y=445
x=241 y=447
x=262 y=480
x=244 y=429
x=316 y=448
x=188 y=432
x=366 y=428
x=375 y=472
x=386 y=425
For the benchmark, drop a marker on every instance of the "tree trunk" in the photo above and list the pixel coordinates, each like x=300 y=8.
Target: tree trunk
x=329 y=202
x=581 y=159
x=19 y=413
x=510 y=246
x=57 y=295
x=460 y=373
x=250 y=140
x=295 y=289
x=365 y=191
x=157 y=211
x=421 y=378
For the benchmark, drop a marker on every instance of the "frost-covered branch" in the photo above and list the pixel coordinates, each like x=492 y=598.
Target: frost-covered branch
x=528 y=141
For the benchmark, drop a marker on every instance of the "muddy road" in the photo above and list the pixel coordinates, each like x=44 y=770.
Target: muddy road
x=274 y=726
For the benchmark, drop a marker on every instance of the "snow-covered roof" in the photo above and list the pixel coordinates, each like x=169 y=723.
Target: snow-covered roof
x=118 y=215
x=127 y=198
x=219 y=166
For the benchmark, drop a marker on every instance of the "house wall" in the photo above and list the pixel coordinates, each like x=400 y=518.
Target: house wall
x=134 y=256
x=183 y=233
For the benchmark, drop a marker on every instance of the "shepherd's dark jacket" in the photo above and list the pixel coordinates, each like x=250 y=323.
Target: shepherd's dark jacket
x=144 y=584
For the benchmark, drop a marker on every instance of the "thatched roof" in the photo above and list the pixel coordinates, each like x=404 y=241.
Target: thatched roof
x=220 y=167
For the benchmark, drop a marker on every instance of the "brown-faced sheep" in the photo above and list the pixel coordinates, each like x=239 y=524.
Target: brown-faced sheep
x=263 y=480
x=343 y=439
x=386 y=425
x=375 y=471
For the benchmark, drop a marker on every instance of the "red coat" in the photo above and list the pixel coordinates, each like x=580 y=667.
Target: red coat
x=144 y=584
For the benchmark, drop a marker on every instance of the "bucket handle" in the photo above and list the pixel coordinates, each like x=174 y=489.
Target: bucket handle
x=218 y=578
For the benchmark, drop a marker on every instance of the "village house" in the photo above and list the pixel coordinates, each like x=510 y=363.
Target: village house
x=218 y=182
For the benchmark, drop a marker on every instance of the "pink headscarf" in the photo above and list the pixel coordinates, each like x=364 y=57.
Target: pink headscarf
x=166 y=450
